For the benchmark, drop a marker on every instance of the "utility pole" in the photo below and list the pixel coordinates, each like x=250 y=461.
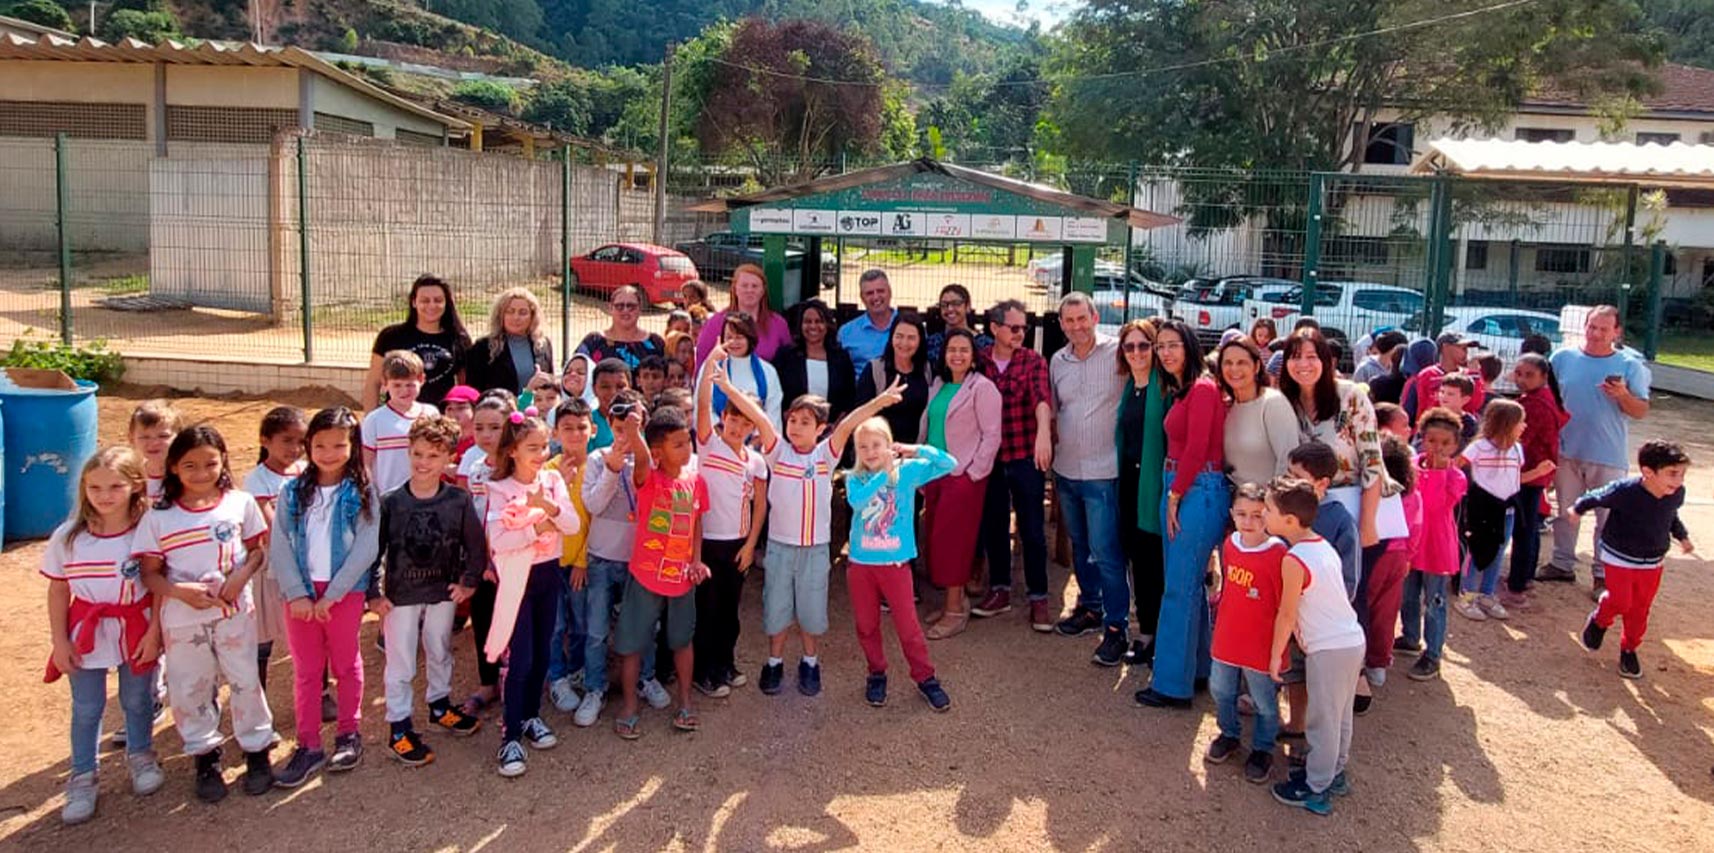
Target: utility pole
x=666 y=146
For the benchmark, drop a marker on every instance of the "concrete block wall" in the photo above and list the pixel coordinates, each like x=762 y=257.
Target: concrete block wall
x=210 y=376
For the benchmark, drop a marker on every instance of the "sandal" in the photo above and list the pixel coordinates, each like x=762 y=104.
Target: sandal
x=476 y=704
x=949 y=626
x=626 y=727
x=686 y=720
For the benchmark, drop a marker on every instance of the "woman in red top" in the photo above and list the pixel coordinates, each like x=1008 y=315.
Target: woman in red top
x=1543 y=419
x=1193 y=514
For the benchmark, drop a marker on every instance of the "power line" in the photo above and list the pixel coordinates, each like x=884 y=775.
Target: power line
x=1162 y=69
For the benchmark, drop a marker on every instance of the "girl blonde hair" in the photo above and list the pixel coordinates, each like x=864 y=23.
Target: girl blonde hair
x=120 y=460
x=878 y=425
x=1500 y=418
x=497 y=319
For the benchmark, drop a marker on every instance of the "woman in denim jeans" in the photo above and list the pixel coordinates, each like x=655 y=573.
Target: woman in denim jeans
x=1193 y=515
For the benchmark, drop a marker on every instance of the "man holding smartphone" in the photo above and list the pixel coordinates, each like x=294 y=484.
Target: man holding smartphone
x=1605 y=388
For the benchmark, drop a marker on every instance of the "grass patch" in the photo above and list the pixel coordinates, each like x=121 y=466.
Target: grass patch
x=1683 y=349
x=128 y=285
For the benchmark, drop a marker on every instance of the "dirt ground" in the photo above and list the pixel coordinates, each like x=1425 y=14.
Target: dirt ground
x=1527 y=743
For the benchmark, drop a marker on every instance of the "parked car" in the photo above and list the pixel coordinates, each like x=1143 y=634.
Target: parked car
x=1048 y=271
x=718 y=254
x=1113 y=312
x=658 y=270
x=1213 y=305
x=1498 y=330
x=1347 y=310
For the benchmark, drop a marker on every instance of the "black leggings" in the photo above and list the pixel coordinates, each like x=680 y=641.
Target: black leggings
x=1143 y=550
x=531 y=644
x=717 y=609
x=481 y=618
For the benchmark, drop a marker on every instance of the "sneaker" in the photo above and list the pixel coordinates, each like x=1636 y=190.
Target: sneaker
x=538 y=735
x=1081 y=621
x=1424 y=669
x=996 y=602
x=512 y=764
x=80 y=794
x=1596 y=588
x=1148 y=697
x=1629 y=666
x=936 y=697
x=1259 y=767
x=347 y=753
x=808 y=678
x=1467 y=608
x=655 y=694
x=875 y=690
x=588 y=711
x=564 y=696
x=1360 y=705
x=1112 y=650
x=1551 y=573
x=1141 y=652
x=1593 y=634
x=1041 y=619
x=772 y=675
x=1377 y=675
x=1409 y=647
x=258 y=776
x=146 y=775
x=1492 y=606
x=299 y=767
x=210 y=785
x=1341 y=786
x=329 y=708
x=711 y=688
x=1296 y=792
x=408 y=747
x=456 y=721
x=734 y=678
x=1221 y=749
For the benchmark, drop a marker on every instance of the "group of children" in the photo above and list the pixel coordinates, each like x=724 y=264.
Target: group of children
x=623 y=525
x=1295 y=608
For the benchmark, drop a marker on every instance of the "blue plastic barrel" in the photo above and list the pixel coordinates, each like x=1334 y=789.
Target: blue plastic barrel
x=49 y=434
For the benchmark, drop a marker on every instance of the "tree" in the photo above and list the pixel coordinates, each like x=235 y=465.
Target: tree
x=348 y=42
x=563 y=105
x=1688 y=26
x=152 y=27
x=486 y=94
x=788 y=98
x=44 y=12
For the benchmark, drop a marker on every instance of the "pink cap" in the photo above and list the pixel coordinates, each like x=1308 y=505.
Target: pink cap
x=462 y=394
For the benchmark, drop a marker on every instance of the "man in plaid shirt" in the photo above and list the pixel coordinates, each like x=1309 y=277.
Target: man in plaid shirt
x=1026 y=454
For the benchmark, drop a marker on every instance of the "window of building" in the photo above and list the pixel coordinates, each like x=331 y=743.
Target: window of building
x=1476 y=255
x=411 y=137
x=227 y=124
x=77 y=120
x=1562 y=259
x=1390 y=144
x=1656 y=138
x=1543 y=134
x=327 y=123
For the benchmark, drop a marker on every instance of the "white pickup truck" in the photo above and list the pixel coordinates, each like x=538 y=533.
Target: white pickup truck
x=1347 y=310
x=1213 y=305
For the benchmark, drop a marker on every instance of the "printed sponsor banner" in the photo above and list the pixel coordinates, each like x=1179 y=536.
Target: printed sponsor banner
x=903 y=224
x=952 y=225
x=813 y=221
x=770 y=220
x=1083 y=229
x=1038 y=227
x=860 y=222
x=985 y=226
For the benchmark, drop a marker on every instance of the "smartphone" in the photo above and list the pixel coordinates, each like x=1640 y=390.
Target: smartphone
x=1614 y=379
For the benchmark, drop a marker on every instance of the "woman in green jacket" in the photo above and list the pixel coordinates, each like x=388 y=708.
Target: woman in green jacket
x=1141 y=438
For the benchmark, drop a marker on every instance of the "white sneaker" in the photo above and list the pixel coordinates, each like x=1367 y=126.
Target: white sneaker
x=564 y=695
x=1377 y=675
x=1492 y=606
x=80 y=793
x=538 y=735
x=512 y=764
x=654 y=694
x=1467 y=608
x=146 y=775
x=588 y=711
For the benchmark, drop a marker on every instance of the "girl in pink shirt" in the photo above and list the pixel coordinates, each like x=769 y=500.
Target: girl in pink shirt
x=1440 y=486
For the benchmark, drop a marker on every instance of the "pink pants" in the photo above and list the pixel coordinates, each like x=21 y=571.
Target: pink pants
x=869 y=585
x=1630 y=593
x=316 y=647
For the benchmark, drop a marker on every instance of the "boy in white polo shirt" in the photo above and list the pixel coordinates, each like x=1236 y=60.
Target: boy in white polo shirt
x=387 y=429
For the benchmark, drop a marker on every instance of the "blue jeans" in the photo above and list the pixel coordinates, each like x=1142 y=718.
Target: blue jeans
x=1091 y=510
x=1490 y=574
x=1422 y=624
x=565 y=654
x=89 y=701
x=1224 y=680
x=601 y=595
x=1182 y=633
x=1526 y=539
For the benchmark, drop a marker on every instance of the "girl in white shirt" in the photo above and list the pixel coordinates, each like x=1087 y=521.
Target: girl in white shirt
x=1495 y=464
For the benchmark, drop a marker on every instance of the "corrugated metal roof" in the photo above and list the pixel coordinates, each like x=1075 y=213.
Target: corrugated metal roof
x=1677 y=164
x=14 y=46
x=834 y=183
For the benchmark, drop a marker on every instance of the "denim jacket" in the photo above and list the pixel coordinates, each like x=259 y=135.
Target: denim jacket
x=356 y=543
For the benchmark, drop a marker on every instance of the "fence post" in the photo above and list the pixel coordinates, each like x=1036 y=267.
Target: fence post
x=1514 y=257
x=1440 y=255
x=565 y=251
x=303 y=253
x=1312 y=243
x=1657 y=283
x=62 y=191
x=1131 y=200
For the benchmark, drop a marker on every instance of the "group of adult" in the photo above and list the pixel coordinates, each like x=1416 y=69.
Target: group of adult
x=1144 y=434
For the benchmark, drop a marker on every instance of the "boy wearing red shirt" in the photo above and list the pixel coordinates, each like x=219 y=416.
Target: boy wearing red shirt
x=1244 y=634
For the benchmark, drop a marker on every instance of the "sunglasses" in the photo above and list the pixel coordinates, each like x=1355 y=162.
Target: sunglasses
x=1137 y=346
x=626 y=306
x=1015 y=328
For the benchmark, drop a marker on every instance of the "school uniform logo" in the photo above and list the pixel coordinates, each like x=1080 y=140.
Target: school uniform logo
x=131 y=569
x=224 y=532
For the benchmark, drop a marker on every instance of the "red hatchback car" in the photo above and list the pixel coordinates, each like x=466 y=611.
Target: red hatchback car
x=658 y=270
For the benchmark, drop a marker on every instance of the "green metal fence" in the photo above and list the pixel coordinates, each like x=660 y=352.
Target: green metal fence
x=301 y=250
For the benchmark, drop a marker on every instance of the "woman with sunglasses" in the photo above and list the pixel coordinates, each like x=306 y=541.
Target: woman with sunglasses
x=1141 y=435
x=623 y=339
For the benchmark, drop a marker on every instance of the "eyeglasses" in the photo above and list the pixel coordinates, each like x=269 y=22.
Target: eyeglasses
x=627 y=306
x=1137 y=346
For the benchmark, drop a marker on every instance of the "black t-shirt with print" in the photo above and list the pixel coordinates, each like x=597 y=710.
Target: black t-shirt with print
x=442 y=354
